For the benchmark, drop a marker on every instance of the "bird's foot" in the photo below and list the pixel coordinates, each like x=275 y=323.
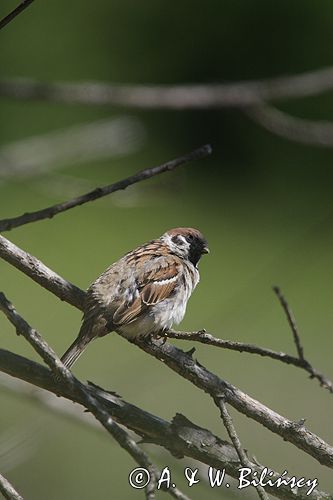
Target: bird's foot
x=162 y=334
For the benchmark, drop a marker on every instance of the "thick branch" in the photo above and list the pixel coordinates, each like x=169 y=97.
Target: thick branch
x=186 y=96
x=40 y=273
x=49 y=212
x=8 y=490
x=34 y=339
x=20 y=8
x=181 y=437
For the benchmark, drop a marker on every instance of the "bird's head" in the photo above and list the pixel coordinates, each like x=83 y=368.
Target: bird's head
x=186 y=242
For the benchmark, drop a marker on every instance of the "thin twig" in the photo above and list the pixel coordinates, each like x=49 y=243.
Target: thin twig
x=291 y=321
x=228 y=423
x=206 y=338
x=203 y=337
x=187 y=96
x=8 y=490
x=49 y=212
x=20 y=8
x=303 y=362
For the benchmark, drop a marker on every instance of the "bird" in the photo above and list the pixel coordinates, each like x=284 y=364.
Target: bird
x=144 y=293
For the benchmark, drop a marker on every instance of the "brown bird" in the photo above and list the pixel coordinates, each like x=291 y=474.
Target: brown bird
x=143 y=293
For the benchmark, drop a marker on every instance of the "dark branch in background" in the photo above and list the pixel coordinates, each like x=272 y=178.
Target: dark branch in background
x=180 y=437
x=20 y=8
x=7 y=490
x=185 y=96
x=49 y=212
x=65 y=378
x=249 y=96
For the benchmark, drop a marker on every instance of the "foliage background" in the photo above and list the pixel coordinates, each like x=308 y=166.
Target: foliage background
x=264 y=204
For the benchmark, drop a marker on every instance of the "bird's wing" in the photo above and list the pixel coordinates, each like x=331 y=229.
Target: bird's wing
x=154 y=284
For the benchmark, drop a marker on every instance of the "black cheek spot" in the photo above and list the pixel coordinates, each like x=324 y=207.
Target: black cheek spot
x=176 y=240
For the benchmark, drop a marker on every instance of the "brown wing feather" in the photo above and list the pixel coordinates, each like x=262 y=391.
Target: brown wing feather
x=154 y=285
x=155 y=292
x=125 y=313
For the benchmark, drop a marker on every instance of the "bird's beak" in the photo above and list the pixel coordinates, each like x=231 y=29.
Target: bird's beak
x=205 y=250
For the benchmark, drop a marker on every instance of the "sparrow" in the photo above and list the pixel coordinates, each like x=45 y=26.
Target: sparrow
x=143 y=293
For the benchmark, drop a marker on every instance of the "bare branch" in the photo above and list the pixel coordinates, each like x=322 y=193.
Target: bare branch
x=34 y=339
x=181 y=437
x=49 y=212
x=20 y=8
x=228 y=423
x=8 y=490
x=304 y=363
x=203 y=337
x=291 y=321
x=206 y=338
x=187 y=96
x=250 y=96
x=41 y=274
x=316 y=133
x=185 y=366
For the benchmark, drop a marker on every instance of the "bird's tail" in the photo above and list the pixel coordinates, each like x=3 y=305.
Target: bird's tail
x=74 y=351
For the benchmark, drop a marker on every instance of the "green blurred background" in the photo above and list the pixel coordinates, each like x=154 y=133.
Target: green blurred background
x=264 y=204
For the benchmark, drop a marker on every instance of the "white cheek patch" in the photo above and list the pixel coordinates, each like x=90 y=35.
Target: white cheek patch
x=181 y=248
x=184 y=245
